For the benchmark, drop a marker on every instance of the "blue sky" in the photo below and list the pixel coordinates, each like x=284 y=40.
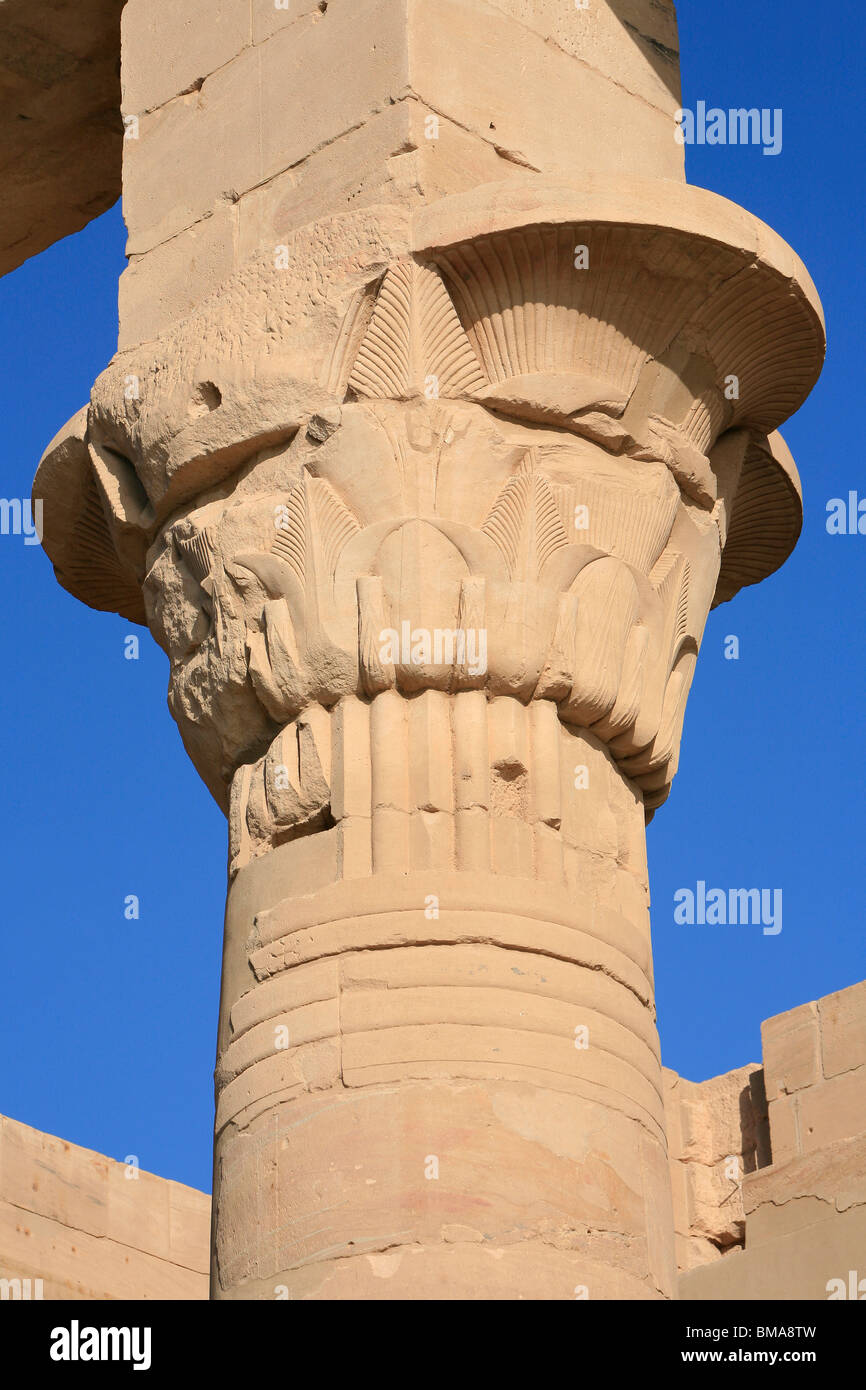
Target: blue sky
x=107 y=1026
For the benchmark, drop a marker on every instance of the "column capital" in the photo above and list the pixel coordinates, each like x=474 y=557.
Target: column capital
x=539 y=415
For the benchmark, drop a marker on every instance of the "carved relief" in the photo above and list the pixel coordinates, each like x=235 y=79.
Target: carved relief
x=433 y=516
x=498 y=445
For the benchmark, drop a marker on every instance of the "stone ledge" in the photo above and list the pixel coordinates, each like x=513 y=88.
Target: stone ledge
x=60 y=127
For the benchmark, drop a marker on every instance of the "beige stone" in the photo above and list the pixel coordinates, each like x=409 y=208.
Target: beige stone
x=843 y=1030
x=88 y=1227
x=184 y=44
x=60 y=127
x=800 y=1202
x=648 y=67
x=282 y=122
x=806 y=1191
x=834 y=1110
x=263 y=112
x=805 y=1266
x=264 y=108
x=784 y=1116
x=468 y=61
x=792 y=1051
x=816 y=1074
x=716 y=1136
x=266 y=18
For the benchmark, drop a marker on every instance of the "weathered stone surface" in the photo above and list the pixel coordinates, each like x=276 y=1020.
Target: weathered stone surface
x=806 y=1266
x=815 y=1059
x=790 y=1196
x=843 y=1030
x=295 y=311
x=61 y=134
x=597 y=35
x=299 y=111
x=715 y=1137
x=91 y=1228
x=792 y=1051
x=400 y=1191
x=802 y=1201
x=179 y=45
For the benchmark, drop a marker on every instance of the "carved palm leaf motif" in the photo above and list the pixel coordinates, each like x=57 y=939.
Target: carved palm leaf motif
x=197 y=553
x=593 y=614
x=524 y=522
x=414 y=344
x=592 y=617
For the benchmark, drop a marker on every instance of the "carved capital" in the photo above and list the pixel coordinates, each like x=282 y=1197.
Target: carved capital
x=519 y=445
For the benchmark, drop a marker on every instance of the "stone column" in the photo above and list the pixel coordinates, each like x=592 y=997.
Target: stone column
x=425 y=460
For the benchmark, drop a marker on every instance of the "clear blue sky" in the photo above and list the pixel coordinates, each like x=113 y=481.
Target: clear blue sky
x=107 y=1026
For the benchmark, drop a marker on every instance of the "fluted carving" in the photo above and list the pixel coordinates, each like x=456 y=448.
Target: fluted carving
x=491 y=437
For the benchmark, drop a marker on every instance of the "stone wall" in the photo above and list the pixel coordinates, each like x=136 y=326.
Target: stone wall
x=795 y=1226
x=89 y=1229
x=717 y=1132
x=815 y=1067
